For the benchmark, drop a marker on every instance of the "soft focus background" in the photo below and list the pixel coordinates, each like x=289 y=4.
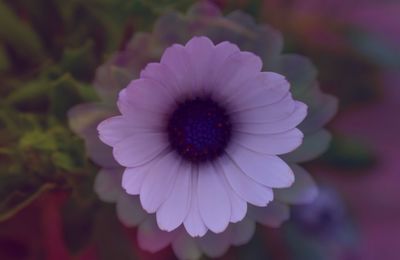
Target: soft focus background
x=49 y=50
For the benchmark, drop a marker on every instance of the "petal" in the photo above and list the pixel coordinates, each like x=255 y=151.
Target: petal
x=117 y=128
x=250 y=190
x=204 y=9
x=151 y=238
x=222 y=51
x=201 y=52
x=268 y=170
x=107 y=184
x=111 y=77
x=283 y=125
x=164 y=76
x=299 y=70
x=273 y=215
x=313 y=146
x=214 y=202
x=270 y=113
x=242 y=232
x=129 y=211
x=279 y=143
x=234 y=72
x=139 y=149
x=83 y=120
x=177 y=59
x=159 y=182
x=99 y=152
x=193 y=222
x=133 y=178
x=304 y=189
x=147 y=95
x=238 y=205
x=83 y=117
x=264 y=89
x=175 y=209
x=185 y=247
x=320 y=114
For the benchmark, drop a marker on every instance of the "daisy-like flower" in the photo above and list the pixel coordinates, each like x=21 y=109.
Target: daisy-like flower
x=200 y=133
x=122 y=67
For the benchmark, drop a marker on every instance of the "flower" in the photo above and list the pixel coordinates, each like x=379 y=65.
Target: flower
x=199 y=134
x=205 y=19
x=324 y=226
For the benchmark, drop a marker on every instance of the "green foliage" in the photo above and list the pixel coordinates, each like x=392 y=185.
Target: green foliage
x=349 y=154
x=20 y=35
x=47 y=58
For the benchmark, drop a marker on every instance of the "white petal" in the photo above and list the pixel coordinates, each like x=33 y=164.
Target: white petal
x=265 y=89
x=159 y=182
x=146 y=95
x=177 y=59
x=214 y=202
x=266 y=114
x=139 y=149
x=273 y=215
x=234 y=72
x=164 y=76
x=117 y=128
x=129 y=211
x=201 y=52
x=279 y=143
x=151 y=238
x=238 y=205
x=298 y=115
x=244 y=186
x=193 y=222
x=268 y=170
x=303 y=190
x=223 y=50
x=173 y=211
x=107 y=184
x=133 y=178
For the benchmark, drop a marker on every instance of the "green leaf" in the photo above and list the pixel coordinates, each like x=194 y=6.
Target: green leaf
x=349 y=153
x=19 y=35
x=67 y=92
x=39 y=141
x=31 y=96
x=79 y=61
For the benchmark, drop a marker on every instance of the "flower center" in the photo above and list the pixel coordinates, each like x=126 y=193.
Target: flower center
x=199 y=129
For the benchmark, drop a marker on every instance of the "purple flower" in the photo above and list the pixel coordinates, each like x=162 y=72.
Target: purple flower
x=200 y=133
x=125 y=66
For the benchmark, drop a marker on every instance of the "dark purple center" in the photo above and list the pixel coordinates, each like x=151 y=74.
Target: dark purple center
x=199 y=129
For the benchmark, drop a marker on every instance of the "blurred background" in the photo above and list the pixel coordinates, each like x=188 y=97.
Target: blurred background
x=49 y=52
